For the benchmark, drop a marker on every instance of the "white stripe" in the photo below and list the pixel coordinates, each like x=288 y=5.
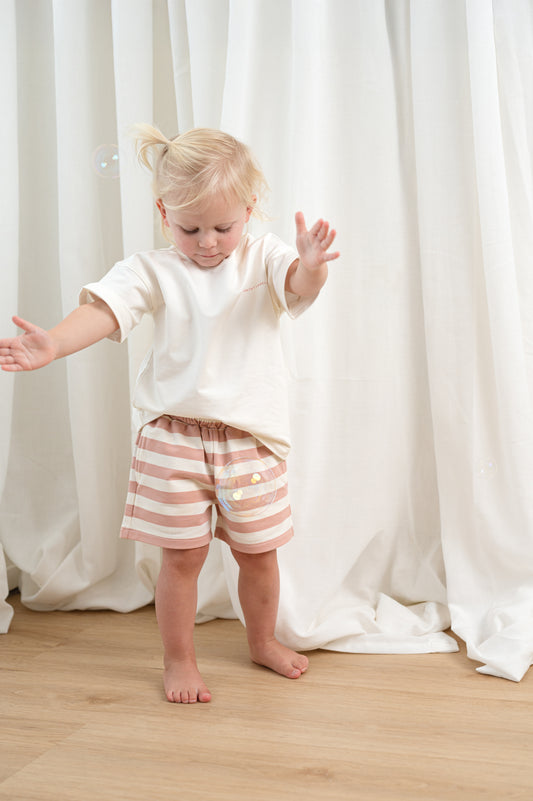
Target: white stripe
x=157 y=507
x=153 y=529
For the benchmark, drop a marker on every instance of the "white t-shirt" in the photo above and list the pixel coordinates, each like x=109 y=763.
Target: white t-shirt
x=216 y=351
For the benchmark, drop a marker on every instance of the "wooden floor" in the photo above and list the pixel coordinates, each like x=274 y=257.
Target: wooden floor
x=83 y=717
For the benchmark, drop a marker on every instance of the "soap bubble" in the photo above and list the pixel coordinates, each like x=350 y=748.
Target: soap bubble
x=487 y=468
x=105 y=161
x=244 y=485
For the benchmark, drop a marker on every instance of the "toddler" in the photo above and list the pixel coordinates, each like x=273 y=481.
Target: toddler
x=210 y=398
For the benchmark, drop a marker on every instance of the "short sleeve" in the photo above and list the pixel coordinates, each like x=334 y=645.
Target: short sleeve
x=127 y=294
x=278 y=259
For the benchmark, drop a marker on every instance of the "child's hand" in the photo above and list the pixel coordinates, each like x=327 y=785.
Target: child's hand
x=313 y=245
x=29 y=351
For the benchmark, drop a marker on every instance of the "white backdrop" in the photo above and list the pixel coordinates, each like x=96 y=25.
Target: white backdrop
x=409 y=123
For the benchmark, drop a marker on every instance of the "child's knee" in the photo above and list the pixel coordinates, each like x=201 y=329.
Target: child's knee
x=260 y=562
x=185 y=561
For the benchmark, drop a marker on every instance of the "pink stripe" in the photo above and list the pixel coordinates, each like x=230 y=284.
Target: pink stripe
x=164 y=542
x=175 y=473
x=257 y=547
x=243 y=479
x=167 y=521
x=261 y=501
x=262 y=452
x=253 y=526
x=194 y=496
x=168 y=449
x=168 y=473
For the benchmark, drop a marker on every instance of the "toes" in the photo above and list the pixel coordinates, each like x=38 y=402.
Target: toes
x=189 y=696
x=295 y=673
x=299 y=665
x=302 y=664
x=178 y=696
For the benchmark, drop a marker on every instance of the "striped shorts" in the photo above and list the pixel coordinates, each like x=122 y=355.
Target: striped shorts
x=183 y=468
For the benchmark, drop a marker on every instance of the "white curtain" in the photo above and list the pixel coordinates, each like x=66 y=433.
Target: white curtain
x=409 y=123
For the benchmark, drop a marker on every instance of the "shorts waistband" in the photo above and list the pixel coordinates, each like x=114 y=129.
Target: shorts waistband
x=198 y=421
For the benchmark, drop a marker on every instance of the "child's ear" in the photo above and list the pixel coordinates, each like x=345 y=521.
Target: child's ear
x=251 y=207
x=162 y=209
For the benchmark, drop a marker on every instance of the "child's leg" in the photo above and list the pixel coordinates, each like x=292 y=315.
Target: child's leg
x=259 y=597
x=176 y=598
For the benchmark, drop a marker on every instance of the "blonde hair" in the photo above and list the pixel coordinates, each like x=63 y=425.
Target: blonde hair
x=198 y=164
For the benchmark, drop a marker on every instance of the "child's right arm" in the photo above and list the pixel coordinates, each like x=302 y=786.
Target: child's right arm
x=36 y=347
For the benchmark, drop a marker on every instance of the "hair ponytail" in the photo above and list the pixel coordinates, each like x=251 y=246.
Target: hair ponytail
x=150 y=144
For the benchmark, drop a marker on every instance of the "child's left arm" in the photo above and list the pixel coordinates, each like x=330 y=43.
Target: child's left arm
x=307 y=275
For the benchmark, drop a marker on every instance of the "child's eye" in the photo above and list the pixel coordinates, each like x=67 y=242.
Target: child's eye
x=223 y=230
x=193 y=231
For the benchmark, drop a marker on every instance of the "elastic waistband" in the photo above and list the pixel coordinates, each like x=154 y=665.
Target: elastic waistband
x=198 y=421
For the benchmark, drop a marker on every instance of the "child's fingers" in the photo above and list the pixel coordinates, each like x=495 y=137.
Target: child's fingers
x=11 y=368
x=8 y=360
x=321 y=231
x=328 y=239
x=299 y=219
x=24 y=324
x=318 y=227
x=5 y=347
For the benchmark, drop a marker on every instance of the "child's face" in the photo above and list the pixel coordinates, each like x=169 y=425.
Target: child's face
x=209 y=234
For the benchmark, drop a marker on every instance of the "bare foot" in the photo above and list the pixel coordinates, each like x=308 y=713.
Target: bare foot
x=282 y=660
x=183 y=683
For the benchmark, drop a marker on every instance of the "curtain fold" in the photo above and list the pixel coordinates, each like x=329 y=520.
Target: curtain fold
x=481 y=403
x=409 y=124
x=9 y=227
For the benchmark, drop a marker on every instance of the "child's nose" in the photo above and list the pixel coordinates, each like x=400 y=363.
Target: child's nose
x=207 y=239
